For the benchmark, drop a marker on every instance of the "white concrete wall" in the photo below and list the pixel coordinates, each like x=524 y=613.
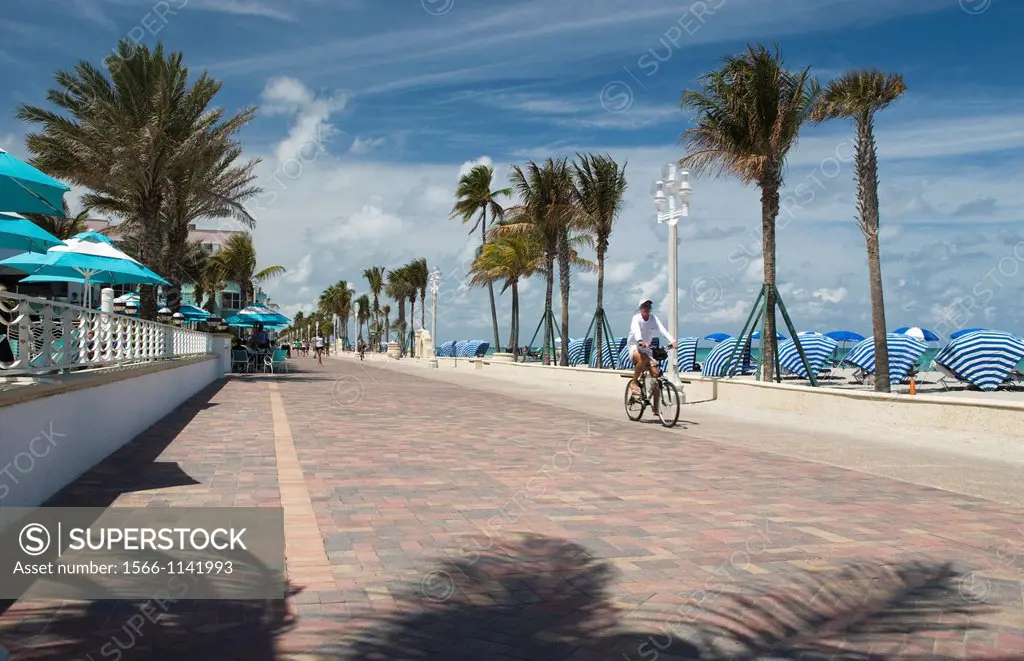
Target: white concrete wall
x=46 y=443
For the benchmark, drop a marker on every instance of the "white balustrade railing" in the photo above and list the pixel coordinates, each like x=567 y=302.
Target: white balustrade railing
x=39 y=336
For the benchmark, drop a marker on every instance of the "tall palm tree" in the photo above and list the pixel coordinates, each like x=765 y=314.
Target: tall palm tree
x=237 y=263
x=375 y=280
x=858 y=95
x=600 y=186
x=128 y=138
x=477 y=200
x=338 y=300
x=399 y=289
x=363 y=314
x=546 y=207
x=749 y=113
x=509 y=259
x=386 y=311
x=417 y=275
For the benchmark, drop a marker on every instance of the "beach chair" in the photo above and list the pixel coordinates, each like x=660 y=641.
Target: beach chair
x=1015 y=379
x=277 y=360
x=239 y=357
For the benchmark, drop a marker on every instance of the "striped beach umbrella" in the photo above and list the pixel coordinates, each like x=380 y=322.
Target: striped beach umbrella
x=460 y=348
x=579 y=351
x=686 y=353
x=608 y=359
x=817 y=348
x=717 y=362
x=904 y=352
x=919 y=333
x=446 y=350
x=983 y=357
x=965 y=331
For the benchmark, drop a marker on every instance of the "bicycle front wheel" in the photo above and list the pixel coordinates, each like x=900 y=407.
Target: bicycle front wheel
x=634 y=404
x=668 y=407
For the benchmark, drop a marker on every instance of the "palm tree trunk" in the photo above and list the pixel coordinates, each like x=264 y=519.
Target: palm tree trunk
x=599 y=316
x=563 y=289
x=490 y=285
x=548 y=309
x=412 y=332
x=515 y=316
x=769 y=211
x=867 y=201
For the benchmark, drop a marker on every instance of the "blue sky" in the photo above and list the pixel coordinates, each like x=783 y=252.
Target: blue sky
x=370 y=110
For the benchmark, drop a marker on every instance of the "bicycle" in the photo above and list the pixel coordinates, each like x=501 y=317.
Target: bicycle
x=669 y=399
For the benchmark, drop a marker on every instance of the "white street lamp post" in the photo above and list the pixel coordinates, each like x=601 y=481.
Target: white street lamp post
x=435 y=286
x=672 y=200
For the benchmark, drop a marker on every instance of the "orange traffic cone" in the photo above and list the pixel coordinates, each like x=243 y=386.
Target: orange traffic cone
x=913 y=386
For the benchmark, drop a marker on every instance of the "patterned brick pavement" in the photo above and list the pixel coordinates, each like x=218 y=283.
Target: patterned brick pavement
x=429 y=520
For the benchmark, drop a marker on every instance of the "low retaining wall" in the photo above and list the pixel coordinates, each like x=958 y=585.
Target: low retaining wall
x=827 y=405
x=52 y=433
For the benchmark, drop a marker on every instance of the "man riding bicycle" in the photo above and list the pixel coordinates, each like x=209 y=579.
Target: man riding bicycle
x=642 y=330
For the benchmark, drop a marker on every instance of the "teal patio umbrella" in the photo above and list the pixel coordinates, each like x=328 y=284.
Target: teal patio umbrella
x=24 y=189
x=90 y=257
x=17 y=233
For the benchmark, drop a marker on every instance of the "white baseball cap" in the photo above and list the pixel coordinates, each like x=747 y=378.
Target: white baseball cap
x=644 y=301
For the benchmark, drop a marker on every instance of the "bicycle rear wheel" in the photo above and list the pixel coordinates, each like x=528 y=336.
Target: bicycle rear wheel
x=668 y=406
x=634 y=404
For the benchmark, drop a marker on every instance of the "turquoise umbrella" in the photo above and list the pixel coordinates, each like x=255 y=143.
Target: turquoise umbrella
x=87 y=256
x=24 y=189
x=17 y=233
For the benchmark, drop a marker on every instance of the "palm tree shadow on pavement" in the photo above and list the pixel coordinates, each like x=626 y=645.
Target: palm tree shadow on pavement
x=542 y=598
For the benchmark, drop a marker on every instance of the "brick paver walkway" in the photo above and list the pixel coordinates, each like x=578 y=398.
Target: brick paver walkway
x=429 y=520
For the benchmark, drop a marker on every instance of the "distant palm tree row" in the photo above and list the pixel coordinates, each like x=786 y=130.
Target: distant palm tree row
x=404 y=284
x=749 y=113
x=153 y=150
x=562 y=206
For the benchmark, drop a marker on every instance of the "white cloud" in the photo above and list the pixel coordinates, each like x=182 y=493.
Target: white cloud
x=365 y=145
x=469 y=165
x=300 y=274
x=371 y=224
x=310 y=131
x=830 y=295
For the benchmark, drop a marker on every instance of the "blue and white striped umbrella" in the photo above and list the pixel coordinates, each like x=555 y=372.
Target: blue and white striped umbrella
x=608 y=359
x=446 y=350
x=904 y=352
x=472 y=348
x=686 y=354
x=717 y=362
x=579 y=351
x=983 y=357
x=460 y=347
x=817 y=348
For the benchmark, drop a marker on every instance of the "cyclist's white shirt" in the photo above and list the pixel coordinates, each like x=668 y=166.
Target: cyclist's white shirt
x=640 y=330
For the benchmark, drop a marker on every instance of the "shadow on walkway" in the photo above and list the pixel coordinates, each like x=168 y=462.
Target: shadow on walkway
x=542 y=598
x=165 y=627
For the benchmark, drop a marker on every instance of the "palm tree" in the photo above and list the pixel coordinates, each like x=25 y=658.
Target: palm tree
x=363 y=314
x=337 y=300
x=399 y=289
x=858 y=95
x=237 y=263
x=749 y=113
x=476 y=197
x=386 y=311
x=375 y=279
x=128 y=139
x=600 y=187
x=546 y=207
x=417 y=275
x=509 y=259
x=62 y=228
